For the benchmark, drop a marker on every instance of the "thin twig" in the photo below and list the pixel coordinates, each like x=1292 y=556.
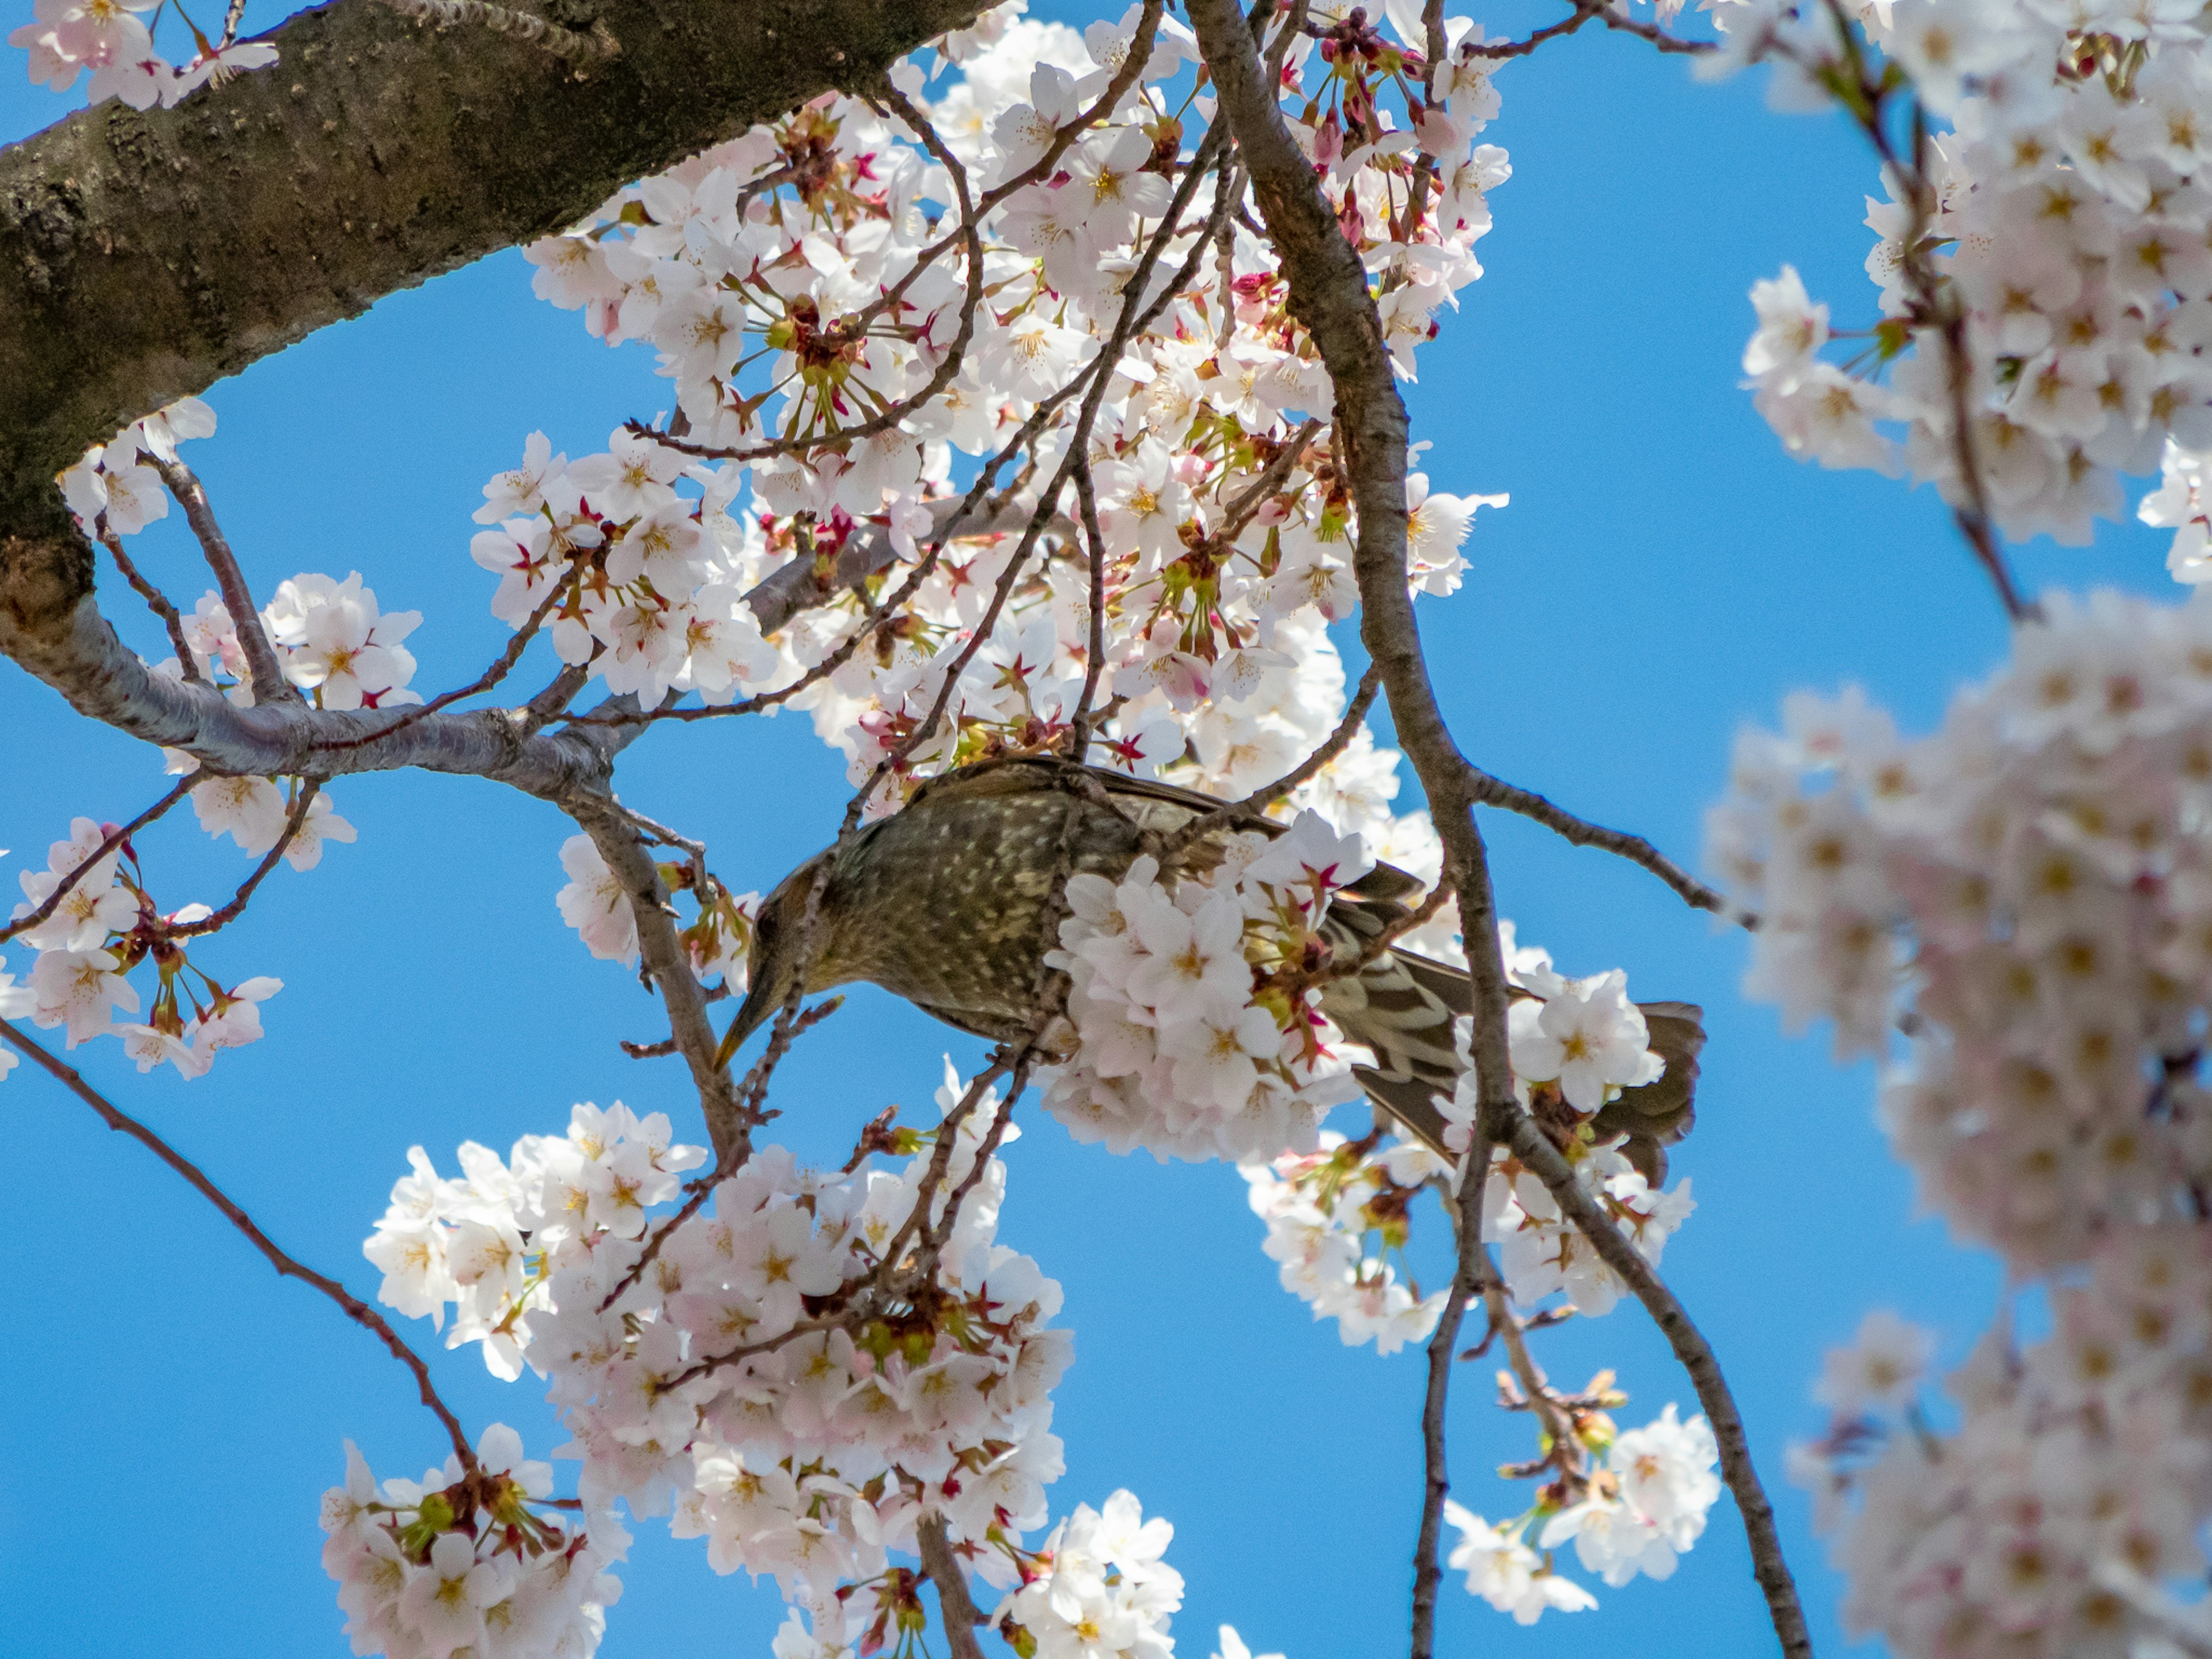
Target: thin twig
x=1584 y=11
x=960 y=1613
x=1580 y=832
x=1467 y=1278
x=501 y=668
x=231 y=912
x=156 y=601
x=264 y=673
x=622 y=847
x=288 y=1267
x=1355 y=715
x=108 y=843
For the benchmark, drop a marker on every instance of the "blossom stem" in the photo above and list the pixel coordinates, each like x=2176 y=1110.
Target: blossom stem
x=231 y=912
x=108 y=843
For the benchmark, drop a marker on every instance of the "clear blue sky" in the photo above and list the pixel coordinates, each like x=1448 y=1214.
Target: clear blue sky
x=1664 y=574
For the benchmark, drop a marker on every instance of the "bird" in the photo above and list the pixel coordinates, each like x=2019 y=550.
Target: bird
x=943 y=904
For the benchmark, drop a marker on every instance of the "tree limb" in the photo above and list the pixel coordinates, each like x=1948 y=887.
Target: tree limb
x=1328 y=295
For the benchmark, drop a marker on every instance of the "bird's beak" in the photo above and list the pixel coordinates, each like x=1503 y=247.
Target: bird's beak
x=758 y=1004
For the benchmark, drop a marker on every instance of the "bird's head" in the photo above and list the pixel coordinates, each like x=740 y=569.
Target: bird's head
x=772 y=965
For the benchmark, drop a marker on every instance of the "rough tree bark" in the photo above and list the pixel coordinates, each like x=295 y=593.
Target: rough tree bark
x=144 y=255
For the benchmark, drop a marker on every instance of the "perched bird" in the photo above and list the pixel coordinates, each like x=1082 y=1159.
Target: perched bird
x=943 y=904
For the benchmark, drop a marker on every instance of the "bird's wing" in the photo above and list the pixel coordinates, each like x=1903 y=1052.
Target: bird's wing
x=1036 y=773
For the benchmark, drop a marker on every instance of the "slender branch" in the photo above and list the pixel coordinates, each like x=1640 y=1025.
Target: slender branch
x=287 y=1265
x=1501 y=49
x=502 y=666
x=1658 y=36
x=1355 y=715
x=1509 y=1125
x=1078 y=735
x=1328 y=295
x=264 y=673
x=156 y=601
x=231 y=912
x=108 y=843
x=1468 y=1279
x=1584 y=11
x=960 y=1611
x=668 y=966
x=1494 y=792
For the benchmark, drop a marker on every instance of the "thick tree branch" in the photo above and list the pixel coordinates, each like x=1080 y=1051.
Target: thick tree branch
x=1330 y=297
x=144 y=255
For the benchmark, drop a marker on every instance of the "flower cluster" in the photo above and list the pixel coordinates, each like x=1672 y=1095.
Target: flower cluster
x=459 y=1561
x=1631 y=1503
x=2027 y=893
x=1322 y=1208
x=2064 y=219
x=643 y=584
x=1098 y=1585
x=2023 y=894
x=109 y=38
x=2067 y=1505
x=802 y=1371
x=102 y=925
x=1195 y=1006
x=810 y=289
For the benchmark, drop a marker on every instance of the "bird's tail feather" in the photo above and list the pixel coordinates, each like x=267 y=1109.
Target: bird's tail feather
x=1404 y=1007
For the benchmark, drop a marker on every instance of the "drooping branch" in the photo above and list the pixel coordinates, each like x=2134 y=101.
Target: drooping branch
x=287 y=1265
x=1329 y=295
x=622 y=845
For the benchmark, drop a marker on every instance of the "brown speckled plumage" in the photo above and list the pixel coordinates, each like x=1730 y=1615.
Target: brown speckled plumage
x=942 y=904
